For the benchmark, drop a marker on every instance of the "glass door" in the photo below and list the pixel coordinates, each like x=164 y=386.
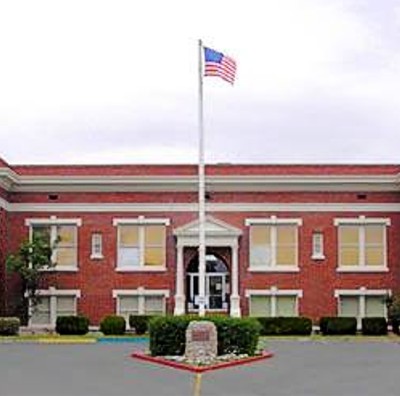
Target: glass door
x=215 y=291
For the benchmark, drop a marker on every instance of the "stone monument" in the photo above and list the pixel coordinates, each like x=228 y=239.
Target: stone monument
x=201 y=342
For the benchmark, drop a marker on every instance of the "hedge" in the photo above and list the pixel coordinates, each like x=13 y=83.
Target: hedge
x=140 y=323
x=168 y=334
x=338 y=326
x=285 y=326
x=72 y=325
x=9 y=326
x=113 y=325
x=374 y=326
x=396 y=326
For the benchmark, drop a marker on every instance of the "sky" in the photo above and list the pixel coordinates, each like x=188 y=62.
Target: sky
x=82 y=81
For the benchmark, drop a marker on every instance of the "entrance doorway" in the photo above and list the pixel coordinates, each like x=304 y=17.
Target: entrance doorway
x=216 y=283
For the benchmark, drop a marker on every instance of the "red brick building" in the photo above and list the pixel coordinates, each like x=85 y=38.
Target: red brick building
x=282 y=240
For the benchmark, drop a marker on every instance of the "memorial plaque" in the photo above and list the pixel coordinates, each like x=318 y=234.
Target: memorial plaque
x=201 y=341
x=200 y=335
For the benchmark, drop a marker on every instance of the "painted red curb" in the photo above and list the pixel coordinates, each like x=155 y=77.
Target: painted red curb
x=200 y=369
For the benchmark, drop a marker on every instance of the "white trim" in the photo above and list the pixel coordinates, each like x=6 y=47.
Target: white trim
x=148 y=268
x=359 y=268
x=53 y=220
x=362 y=291
x=40 y=183
x=99 y=254
x=210 y=207
x=274 y=291
x=53 y=293
x=141 y=220
x=4 y=204
x=274 y=223
x=278 y=268
x=361 y=220
x=273 y=220
x=317 y=241
x=140 y=291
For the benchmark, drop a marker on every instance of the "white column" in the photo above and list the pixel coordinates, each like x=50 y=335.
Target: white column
x=235 y=298
x=179 y=284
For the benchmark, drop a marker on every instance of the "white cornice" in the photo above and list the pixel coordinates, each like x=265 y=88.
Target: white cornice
x=210 y=207
x=4 y=204
x=108 y=183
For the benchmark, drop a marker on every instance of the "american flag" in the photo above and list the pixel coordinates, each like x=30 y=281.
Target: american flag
x=219 y=65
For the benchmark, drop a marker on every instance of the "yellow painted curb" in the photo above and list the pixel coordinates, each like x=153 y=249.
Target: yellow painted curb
x=64 y=341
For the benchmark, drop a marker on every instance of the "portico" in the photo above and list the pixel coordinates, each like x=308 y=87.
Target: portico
x=218 y=234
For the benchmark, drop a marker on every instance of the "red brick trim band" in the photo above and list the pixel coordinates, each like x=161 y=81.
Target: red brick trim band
x=200 y=369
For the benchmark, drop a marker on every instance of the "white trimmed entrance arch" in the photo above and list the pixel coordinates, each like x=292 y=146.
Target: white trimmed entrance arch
x=218 y=234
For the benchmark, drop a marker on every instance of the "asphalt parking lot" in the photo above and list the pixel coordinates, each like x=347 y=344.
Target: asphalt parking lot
x=299 y=368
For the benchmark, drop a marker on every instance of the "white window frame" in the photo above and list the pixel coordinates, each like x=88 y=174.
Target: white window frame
x=274 y=292
x=361 y=293
x=97 y=246
x=53 y=293
x=141 y=293
x=318 y=246
x=275 y=221
x=53 y=222
x=361 y=222
x=141 y=221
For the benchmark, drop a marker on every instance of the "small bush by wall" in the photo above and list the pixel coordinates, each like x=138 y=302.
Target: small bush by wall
x=9 y=326
x=285 y=326
x=168 y=334
x=72 y=325
x=374 y=326
x=140 y=323
x=113 y=325
x=395 y=326
x=338 y=326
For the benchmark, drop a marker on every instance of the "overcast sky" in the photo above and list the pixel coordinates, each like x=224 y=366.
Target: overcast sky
x=116 y=81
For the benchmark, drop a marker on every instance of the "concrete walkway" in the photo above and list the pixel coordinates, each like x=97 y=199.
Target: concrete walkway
x=299 y=368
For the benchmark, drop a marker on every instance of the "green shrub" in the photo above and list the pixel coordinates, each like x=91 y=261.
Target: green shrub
x=338 y=326
x=9 y=326
x=113 y=325
x=72 y=325
x=140 y=323
x=168 y=334
x=396 y=326
x=285 y=326
x=374 y=326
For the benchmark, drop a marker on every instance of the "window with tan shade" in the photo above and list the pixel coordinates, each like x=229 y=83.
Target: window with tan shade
x=154 y=245
x=66 y=251
x=273 y=305
x=362 y=246
x=64 y=240
x=51 y=306
x=273 y=246
x=362 y=303
x=141 y=246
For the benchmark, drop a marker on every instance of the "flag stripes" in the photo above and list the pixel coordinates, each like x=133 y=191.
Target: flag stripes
x=219 y=65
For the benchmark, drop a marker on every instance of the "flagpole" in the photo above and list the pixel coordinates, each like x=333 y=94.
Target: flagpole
x=202 y=214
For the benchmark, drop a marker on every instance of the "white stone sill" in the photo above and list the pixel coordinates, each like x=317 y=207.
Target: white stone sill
x=60 y=269
x=142 y=269
x=274 y=269
x=362 y=269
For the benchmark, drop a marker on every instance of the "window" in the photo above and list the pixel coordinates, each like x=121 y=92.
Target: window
x=362 y=303
x=317 y=246
x=273 y=244
x=273 y=302
x=97 y=246
x=62 y=234
x=140 y=301
x=141 y=244
x=362 y=244
x=53 y=303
